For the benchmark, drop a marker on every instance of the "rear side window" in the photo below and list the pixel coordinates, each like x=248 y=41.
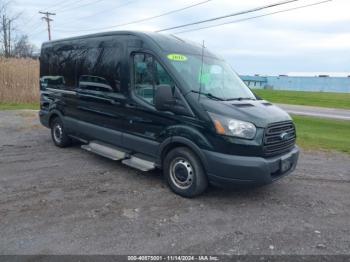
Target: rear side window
x=93 y=65
x=58 y=67
x=148 y=75
x=99 y=69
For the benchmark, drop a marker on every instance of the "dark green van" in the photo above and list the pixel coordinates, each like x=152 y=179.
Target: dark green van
x=156 y=101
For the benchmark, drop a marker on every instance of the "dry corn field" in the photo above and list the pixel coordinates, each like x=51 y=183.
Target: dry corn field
x=19 y=80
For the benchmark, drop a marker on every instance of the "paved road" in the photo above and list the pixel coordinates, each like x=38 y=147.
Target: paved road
x=68 y=201
x=333 y=113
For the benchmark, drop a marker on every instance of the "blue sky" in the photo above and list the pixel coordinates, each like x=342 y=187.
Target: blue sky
x=313 y=39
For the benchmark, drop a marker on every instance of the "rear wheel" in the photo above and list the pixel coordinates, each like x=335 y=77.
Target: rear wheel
x=184 y=172
x=59 y=134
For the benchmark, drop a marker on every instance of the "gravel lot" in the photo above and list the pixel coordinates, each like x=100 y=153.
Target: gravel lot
x=68 y=201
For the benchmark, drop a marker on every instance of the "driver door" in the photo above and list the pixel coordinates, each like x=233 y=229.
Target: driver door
x=145 y=126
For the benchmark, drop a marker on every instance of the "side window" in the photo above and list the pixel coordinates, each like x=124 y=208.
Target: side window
x=99 y=68
x=148 y=75
x=49 y=77
x=143 y=77
x=161 y=76
x=66 y=67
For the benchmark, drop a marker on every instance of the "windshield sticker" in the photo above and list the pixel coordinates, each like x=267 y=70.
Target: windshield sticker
x=177 y=57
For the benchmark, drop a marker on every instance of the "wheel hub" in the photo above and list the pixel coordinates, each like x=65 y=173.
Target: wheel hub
x=57 y=133
x=181 y=173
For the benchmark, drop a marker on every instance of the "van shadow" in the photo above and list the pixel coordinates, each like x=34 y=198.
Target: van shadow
x=155 y=178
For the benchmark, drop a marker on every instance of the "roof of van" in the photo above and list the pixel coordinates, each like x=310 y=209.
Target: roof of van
x=165 y=42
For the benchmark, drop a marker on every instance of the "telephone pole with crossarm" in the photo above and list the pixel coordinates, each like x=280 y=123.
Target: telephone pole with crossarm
x=48 y=20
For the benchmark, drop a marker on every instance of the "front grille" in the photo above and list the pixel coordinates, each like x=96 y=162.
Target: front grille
x=274 y=143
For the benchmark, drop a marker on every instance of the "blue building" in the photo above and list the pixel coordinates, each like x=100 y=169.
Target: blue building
x=321 y=83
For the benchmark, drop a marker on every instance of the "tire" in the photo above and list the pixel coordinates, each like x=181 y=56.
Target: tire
x=58 y=134
x=184 y=173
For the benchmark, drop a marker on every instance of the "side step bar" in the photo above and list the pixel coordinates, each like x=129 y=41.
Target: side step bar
x=105 y=150
x=115 y=153
x=138 y=163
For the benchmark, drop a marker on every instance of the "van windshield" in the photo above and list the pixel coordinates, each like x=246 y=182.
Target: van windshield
x=216 y=78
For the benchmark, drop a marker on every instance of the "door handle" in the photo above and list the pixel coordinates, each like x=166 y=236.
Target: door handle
x=114 y=102
x=130 y=105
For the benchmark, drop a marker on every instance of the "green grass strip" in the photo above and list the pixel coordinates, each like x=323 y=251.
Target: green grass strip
x=332 y=100
x=316 y=133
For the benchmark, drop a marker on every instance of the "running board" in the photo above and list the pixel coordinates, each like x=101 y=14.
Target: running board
x=138 y=163
x=105 y=150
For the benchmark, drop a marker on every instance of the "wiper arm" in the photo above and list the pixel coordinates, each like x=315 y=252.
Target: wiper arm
x=209 y=95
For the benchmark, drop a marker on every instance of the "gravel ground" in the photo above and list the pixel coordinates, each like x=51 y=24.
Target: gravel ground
x=68 y=201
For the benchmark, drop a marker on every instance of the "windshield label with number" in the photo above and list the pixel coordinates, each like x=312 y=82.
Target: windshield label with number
x=177 y=57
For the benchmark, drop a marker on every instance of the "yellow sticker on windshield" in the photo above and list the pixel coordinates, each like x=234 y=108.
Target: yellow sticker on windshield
x=177 y=57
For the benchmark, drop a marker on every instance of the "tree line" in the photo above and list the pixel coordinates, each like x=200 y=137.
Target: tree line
x=12 y=42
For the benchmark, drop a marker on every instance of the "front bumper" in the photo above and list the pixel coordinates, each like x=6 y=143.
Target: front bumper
x=230 y=170
x=44 y=118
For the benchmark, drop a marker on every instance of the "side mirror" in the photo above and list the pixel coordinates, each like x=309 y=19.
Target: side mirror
x=164 y=98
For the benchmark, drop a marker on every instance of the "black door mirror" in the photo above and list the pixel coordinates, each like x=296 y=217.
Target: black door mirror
x=166 y=99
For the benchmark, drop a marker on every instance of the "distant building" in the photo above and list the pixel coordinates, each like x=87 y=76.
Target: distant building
x=322 y=82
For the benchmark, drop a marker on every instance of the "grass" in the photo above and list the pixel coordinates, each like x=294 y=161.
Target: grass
x=316 y=133
x=18 y=106
x=321 y=99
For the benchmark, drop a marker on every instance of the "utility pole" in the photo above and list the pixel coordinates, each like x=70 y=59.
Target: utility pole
x=48 y=20
x=10 y=37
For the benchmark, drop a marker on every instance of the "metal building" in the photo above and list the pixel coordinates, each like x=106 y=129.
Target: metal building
x=320 y=83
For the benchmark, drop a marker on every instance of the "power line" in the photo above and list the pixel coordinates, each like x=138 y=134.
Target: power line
x=36 y=33
x=30 y=19
x=36 y=24
x=164 y=14
x=144 y=19
x=109 y=9
x=59 y=4
x=65 y=4
x=230 y=15
x=253 y=17
x=36 y=29
x=80 y=6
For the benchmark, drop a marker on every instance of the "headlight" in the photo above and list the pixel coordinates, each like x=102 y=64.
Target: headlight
x=232 y=127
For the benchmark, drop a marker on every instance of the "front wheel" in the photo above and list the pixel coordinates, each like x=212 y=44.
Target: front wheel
x=59 y=134
x=184 y=172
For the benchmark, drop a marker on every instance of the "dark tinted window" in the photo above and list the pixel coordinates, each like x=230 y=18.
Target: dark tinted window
x=58 y=70
x=148 y=75
x=161 y=76
x=143 y=76
x=99 y=69
x=66 y=65
x=91 y=64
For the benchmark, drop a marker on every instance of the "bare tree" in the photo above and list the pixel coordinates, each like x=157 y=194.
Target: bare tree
x=23 y=48
x=7 y=29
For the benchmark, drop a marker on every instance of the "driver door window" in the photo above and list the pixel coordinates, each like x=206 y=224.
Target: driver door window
x=148 y=75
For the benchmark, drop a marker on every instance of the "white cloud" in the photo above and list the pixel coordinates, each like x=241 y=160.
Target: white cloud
x=329 y=42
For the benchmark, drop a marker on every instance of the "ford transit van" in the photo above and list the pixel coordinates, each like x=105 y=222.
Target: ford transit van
x=157 y=101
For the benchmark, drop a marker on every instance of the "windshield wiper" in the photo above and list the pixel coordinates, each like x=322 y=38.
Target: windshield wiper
x=240 y=98
x=209 y=95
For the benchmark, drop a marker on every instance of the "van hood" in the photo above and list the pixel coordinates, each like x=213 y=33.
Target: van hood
x=259 y=112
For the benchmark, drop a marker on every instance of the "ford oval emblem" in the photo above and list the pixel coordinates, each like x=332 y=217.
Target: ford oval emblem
x=284 y=136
